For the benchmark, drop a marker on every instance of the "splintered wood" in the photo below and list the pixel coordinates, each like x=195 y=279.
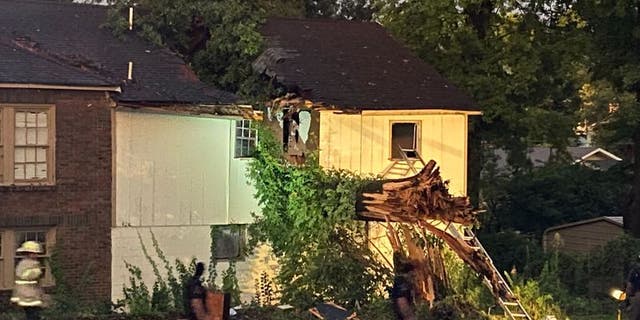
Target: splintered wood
x=422 y=204
x=418 y=198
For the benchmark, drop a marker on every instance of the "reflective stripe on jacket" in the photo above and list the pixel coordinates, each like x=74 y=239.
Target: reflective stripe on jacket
x=27 y=292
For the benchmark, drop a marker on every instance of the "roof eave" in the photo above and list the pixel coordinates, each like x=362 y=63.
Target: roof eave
x=598 y=150
x=8 y=85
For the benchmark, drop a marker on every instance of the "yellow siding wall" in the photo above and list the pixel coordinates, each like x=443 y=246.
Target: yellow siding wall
x=362 y=142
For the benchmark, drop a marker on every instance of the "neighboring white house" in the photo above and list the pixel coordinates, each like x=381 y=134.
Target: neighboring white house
x=175 y=176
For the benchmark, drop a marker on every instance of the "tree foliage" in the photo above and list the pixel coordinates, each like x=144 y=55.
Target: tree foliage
x=219 y=38
x=613 y=28
x=556 y=194
x=308 y=216
x=517 y=61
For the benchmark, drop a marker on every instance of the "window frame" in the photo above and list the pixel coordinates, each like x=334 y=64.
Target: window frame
x=239 y=139
x=8 y=143
x=9 y=255
x=416 y=136
x=242 y=240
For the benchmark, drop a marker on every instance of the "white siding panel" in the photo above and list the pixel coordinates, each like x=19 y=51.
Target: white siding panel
x=242 y=202
x=171 y=170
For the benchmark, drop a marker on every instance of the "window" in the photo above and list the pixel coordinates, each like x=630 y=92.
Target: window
x=26 y=144
x=404 y=135
x=230 y=241
x=10 y=241
x=245 y=139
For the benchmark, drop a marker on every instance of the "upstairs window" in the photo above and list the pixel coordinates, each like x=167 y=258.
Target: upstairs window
x=404 y=135
x=26 y=144
x=246 y=137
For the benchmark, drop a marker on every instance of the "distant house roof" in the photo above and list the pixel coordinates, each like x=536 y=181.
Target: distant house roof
x=539 y=156
x=583 y=236
x=355 y=65
x=616 y=220
x=54 y=43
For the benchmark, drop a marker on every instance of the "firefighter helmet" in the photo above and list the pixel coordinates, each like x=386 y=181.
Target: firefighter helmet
x=30 y=246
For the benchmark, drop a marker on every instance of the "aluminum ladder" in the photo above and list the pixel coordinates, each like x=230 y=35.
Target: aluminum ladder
x=508 y=302
x=407 y=163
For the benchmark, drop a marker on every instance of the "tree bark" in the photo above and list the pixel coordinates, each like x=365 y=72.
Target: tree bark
x=632 y=212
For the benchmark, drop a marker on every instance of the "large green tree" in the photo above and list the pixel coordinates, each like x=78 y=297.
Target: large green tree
x=517 y=61
x=613 y=28
x=536 y=68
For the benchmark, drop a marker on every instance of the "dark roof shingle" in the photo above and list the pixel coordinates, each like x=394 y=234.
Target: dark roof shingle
x=70 y=46
x=353 y=65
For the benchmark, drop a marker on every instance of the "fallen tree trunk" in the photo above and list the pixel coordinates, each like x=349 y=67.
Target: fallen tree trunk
x=421 y=200
x=423 y=196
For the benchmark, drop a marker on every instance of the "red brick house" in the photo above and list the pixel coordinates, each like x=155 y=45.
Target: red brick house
x=62 y=76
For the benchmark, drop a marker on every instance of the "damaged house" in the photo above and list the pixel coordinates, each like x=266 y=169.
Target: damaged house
x=106 y=139
x=358 y=98
x=363 y=102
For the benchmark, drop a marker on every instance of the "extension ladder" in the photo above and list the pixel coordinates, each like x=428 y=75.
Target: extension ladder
x=507 y=301
x=407 y=163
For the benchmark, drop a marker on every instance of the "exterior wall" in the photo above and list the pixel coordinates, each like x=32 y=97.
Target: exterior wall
x=362 y=142
x=582 y=238
x=183 y=243
x=78 y=206
x=175 y=176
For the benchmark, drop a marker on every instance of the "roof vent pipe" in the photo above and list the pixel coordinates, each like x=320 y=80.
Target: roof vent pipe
x=130 y=18
x=130 y=72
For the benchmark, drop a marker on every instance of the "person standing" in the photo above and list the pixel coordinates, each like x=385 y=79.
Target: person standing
x=27 y=292
x=402 y=290
x=196 y=294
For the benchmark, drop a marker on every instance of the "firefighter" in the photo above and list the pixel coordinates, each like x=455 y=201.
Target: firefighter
x=27 y=292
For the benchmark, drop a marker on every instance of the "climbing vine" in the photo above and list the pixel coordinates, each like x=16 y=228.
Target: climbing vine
x=308 y=217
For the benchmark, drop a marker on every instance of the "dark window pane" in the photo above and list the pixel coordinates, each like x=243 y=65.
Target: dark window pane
x=403 y=135
x=228 y=242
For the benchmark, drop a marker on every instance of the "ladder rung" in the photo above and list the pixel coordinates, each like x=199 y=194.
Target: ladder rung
x=519 y=315
x=510 y=303
x=467 y=238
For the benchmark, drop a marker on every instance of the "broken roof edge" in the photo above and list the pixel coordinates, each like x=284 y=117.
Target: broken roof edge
x=236 y=111
x=14 y=85
x=295 y=100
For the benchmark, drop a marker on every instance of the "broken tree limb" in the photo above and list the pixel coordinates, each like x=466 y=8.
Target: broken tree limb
x=423 y=196
x=424 y=201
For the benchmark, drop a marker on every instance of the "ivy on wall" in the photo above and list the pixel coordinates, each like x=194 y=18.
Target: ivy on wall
x=308 y=218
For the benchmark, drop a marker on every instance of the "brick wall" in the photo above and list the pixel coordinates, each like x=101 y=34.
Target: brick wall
x=79 y=205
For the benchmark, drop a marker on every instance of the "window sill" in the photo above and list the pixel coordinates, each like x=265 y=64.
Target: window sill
x=28 y=187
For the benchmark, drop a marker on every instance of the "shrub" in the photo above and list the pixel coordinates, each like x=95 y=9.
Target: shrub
x=453 y=307
x=308 y=218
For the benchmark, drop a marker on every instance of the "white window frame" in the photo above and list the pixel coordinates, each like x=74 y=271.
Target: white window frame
x=243 y=132
x=9 y=258
x=416 y=137
x=8 y=143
